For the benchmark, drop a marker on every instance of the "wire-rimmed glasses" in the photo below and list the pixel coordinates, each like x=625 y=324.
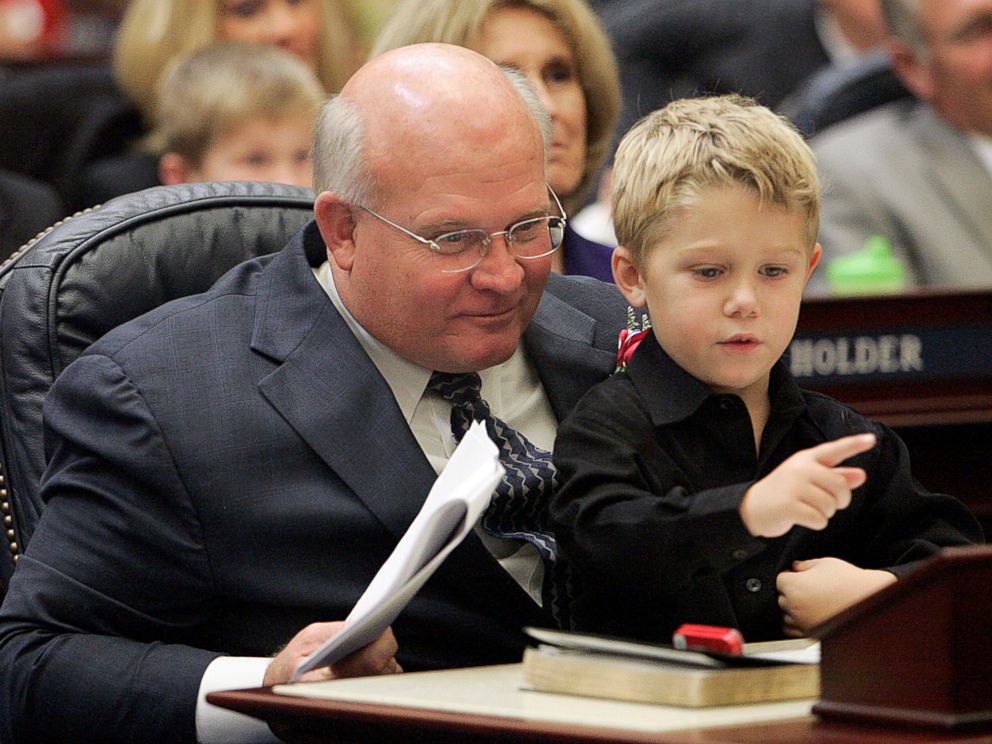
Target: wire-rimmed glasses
x=463 y=250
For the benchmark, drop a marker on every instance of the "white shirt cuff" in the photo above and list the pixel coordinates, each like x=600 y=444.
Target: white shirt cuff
x=216 y=725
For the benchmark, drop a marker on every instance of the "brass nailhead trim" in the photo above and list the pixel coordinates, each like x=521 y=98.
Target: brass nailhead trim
x=8 y=521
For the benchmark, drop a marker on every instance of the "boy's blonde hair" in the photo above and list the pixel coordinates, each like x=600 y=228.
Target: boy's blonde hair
x=224 y=85
x=670 y=155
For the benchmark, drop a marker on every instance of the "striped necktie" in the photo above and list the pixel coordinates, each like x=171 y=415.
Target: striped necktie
x=519 y=507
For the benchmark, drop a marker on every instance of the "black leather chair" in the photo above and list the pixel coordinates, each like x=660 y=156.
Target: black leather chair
x=99 y=269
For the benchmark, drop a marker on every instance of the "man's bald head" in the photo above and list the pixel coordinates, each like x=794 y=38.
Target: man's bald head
x=416 y=107
x=427 y=141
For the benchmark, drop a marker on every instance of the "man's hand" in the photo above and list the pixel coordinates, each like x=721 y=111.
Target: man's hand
x=379 y=657
x=818 y=589
x=806 y=490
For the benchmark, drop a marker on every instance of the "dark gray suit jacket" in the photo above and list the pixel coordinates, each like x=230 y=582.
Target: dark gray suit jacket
x=227 y=469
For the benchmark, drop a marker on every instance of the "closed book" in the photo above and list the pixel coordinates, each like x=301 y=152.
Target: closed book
x=666 y=676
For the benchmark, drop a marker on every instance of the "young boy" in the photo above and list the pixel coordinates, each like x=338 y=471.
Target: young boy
x=702 y=485
x=235 y=111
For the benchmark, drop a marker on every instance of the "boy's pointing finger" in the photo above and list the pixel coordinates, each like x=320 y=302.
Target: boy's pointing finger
x=836 y=451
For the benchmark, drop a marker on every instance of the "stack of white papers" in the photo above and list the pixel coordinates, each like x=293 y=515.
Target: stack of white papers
x=456 y=501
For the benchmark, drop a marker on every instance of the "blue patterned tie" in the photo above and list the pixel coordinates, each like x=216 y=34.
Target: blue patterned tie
x=519 y=507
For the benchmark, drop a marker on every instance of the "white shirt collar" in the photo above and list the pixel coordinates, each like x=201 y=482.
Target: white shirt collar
x=982 y=145
x=510 y=388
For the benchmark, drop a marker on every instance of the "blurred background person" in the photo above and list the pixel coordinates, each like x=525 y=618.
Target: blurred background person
x=153 y=33
x=30 y=30
x=43 y=31
x=27 y=207
x=238 y=112
x=768 y=50
x=564 y=51
x=919 y=171
x=763 y=49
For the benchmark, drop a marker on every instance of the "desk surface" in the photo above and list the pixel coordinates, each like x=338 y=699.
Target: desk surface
x=491 y=704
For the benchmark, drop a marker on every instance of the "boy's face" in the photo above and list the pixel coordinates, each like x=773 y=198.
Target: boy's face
x=723 y=288
x=260 y=150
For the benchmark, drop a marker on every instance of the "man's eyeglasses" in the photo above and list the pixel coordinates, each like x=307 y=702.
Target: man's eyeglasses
x=463 y=250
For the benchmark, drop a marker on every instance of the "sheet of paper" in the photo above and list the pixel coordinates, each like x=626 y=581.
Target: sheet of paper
x=808 y=653
x=796 y=651
x=455 y=502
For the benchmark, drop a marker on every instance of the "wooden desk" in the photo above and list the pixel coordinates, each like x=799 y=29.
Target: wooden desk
x=489 y=704
x=921 y=363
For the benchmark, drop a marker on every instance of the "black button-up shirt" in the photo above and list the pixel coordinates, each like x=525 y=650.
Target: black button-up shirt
x=653 y=466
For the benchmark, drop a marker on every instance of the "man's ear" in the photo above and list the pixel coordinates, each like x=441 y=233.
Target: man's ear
x=628 y=277
x=912 y=70
x=173 y=168
x=336 y=223
x=814 y=260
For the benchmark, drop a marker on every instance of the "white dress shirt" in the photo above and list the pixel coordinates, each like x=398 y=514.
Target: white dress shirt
x=515 y=395
x=982 y=145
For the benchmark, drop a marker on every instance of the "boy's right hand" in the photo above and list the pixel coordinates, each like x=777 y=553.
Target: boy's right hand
x=806 y=489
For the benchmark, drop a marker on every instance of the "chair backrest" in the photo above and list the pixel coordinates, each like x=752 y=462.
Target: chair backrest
x=97 y=270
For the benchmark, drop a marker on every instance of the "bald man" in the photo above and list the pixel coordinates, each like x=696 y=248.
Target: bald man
x=197 y=522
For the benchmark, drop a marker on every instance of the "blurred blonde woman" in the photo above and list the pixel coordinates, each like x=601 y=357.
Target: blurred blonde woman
x=561 y=46
x=154 y=33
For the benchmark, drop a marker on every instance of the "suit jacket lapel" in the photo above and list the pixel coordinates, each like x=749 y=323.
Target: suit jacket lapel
x=326 y=382
x=956 y=171
x=560 y=341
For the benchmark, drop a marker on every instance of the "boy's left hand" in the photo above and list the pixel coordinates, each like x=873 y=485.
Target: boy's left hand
x=819 y=588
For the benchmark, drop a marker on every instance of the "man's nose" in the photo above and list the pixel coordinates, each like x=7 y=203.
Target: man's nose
x=498 y=271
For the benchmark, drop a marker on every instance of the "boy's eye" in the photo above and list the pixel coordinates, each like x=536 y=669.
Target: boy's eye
x=774 y=271
x=256 y=159
x=706 y=272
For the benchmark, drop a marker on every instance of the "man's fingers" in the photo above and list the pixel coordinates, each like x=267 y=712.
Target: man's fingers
x=376 y=658
x=836 y=451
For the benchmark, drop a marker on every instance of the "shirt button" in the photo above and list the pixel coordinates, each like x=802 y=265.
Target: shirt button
x=753 y=585
x=739 y=554
x=725 y=405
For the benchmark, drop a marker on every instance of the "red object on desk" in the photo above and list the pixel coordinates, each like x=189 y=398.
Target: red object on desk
x=713 y=638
